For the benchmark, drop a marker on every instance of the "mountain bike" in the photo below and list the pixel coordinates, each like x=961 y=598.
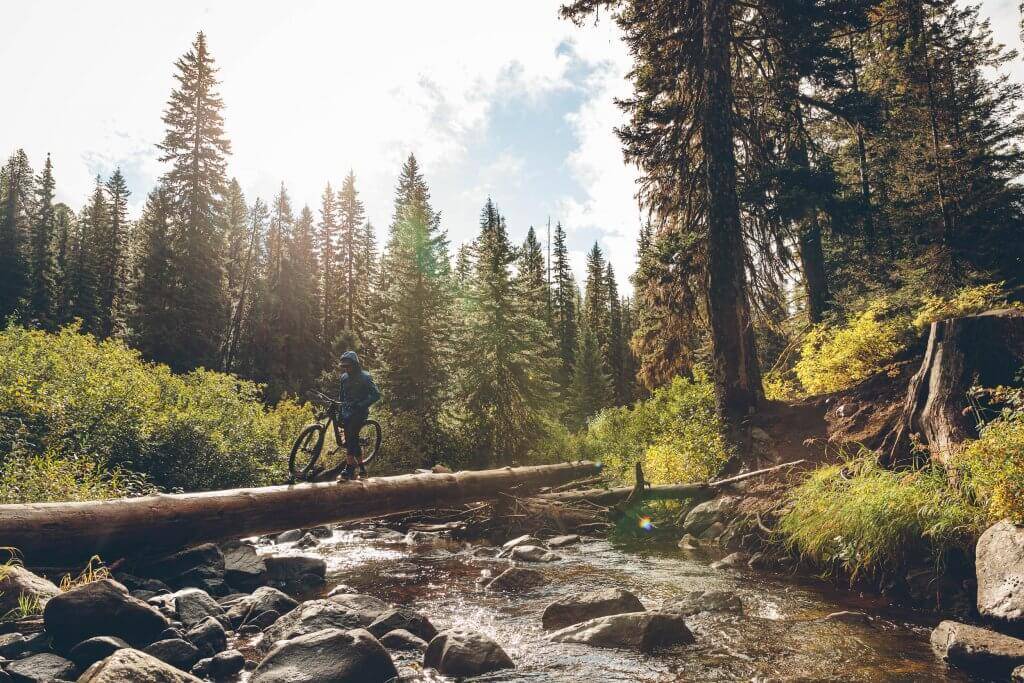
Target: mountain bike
x=304 y=461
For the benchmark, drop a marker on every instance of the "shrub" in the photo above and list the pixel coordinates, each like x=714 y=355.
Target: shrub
x=992 y=468
x=865 y=519
x=966 y=301
x=834 y=358
x=48 y=478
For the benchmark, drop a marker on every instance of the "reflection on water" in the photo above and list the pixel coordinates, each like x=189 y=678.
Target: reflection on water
x=781 y=636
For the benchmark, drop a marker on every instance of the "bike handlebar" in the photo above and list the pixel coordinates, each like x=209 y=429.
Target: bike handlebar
x=325 y=398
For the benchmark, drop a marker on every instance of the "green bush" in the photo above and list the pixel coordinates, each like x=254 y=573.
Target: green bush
x=48 y=478
x=992 y=468
x=966 y=301
x=72 y=399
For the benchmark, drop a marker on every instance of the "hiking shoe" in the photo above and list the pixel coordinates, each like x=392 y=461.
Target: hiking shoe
x=349 y=473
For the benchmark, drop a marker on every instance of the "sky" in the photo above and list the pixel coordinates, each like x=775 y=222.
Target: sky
x=495 y=99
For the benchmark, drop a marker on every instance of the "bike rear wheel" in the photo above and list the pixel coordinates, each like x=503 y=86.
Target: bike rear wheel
x=306 y=452
x=369 y=440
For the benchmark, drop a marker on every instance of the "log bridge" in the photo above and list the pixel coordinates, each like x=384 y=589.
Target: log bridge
x=66 y=534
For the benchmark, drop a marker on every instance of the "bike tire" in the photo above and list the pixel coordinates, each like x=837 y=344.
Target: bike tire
x=369 y=440
x=306 y=451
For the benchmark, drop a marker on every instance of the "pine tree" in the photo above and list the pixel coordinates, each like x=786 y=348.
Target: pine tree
x=239 y=351
x=154 y=291
x=531 y=278
x=64 y=219
x=93 y=224
x=351 y=220
x=591 y=388
x=196 y=148
x=42 y=300
x=110 y=256
x=330 y=282
x=304 y=355
x=616 y=355
x=236 y=237
x=596 y=305
x=15 y=193
x=564 y=309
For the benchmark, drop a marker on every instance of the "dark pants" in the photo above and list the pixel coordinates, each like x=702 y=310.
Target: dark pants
x=351 y=424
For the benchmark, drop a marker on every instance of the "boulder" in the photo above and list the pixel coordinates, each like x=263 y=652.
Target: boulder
x=400 y=639
x=101 y=608
x=225 y=664
x=133 y=666
x=999 y=562
x=18 y=583
x=515 y=579
x=244 y=569
x=292 y=569
x=198 y=567
x=405 y=619
x=694 y=602
x=307 y=541
x=327 y=655
x=263 y=599
x=585 y=606
x=562 y=541
x=193 y=605
x=732 y=561
x=42 y=668
x=460 y=653
x=977 y=649
x=263 y=620
x=310 y=617
x=36 y=643
x=12 y=645
x=532 y=553
x=366 y=607
x=709 y=512
x=641 y=631
x=208 y=636
x=289 y=536
x=90 y=651
x=179 y=653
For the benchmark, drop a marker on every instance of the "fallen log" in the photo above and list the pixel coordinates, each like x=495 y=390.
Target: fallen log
x=64 y=534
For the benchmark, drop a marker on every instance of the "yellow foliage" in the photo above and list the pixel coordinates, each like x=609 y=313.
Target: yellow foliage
x=780 y=386
x=992 y=467
x=966 y=301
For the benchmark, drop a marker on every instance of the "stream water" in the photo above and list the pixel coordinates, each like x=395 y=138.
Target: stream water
x=781 y=635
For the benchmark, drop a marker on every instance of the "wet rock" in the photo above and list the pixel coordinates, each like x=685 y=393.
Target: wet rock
x=322 y=531
x=137 y=583
x=848 y=617
x=461 y=653
x=264 y=620
x=193 y=605
x=177 y=652
x=295 y=569
x=198 y=567
x=90 y=651
x=366 y=607
x=999 y=562
x=405 y=619
x=977 y=649
x=702 y=516
x=526 y=539
x=421 y=538
x=171 y=633
x=585 y=606
x=289 y=536
x=689 y=542
x=694 y=602
x=400 y=639
x=19 y=583
x=12 y=645
x=563 y=541
x=712 y=532
x=516 y=579
x=101 y=608
x=732 y=561
x=641 y=631
x=208 y=636
x=310 y=617
x=485 y=552
x=36 y=643
x=532 y=553
x=244 y=569
x=248 y=630
x=42 y=668
x=133 y=666
x=327 y=655
x=225 y=664
x=263 y=599
x=307 y=541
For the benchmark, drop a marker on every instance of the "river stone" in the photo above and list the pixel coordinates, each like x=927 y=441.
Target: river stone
x=199 y=567
x=1018 y=675
x=694 y=602
x=526 y=539
x=709 y=512
x=12 y=645
x=642 y=631
x=516 y=579
x=366 y=607
x=295 y=568
x=689 y=542
x=133 y=666
x=405 y=619
x=101 y=608
x=244 y=569
x=90 y=651
x=42 y=668
x=329 y=655
x=562 y=541
x=421 y=538
x=17 y=581
x=461 y=653
x=585 y=606
x=999 y=562
x=193 y=605
x=977 y=649
x=400 y=639
x=322 y=531
x=732 y=561
x=532 y=553
x=209 y=636
x=263 y=599
x=225 y=664
x=310 y=617
x=307 y=541
x=289 y=536
x=179 y=653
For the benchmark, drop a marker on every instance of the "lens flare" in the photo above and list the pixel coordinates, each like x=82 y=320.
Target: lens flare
x=646 y=524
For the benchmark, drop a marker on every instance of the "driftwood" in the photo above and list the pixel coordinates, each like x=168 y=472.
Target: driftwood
x=985 y=350
x=63 y=534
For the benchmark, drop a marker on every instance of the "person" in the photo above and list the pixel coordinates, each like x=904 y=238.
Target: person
x=358 y=393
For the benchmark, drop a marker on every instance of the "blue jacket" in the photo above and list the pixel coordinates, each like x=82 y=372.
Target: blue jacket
x=358 y=392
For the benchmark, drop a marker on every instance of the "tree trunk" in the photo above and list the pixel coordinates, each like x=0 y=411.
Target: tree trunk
x=63 y=534
x=985 y=350
x=737 y=375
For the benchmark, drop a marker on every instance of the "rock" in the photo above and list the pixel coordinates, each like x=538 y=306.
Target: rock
x=485 y=552
x=178 y=653
x=198 y=567
x=694 y=602
x=90 y=651
x=757 y=561
x=208 y=636
x=193 y=605
x=36 y=643
x=171 y=633
x=585 y=606
x=244 y=569
x=405 y=619
x=689 y=542
x=101 y=608
x=135 y=583
x=400 y=639
x=201 y=669
x=327 y=655
x=248 y=630
x=18 y=583
x=518 y=541
x=461 y=653
x=291 y=569
x=562 y=541
x=133 y=666
x=712 y=532
x=642 y=631
x=366 y=607
x=421 y=538
x=709 y=512
x=42 y=668
x=1018 y=675
x=516 y=579
x=225 y=664
x=264 y=599
x=732 y=561
x=264 y=620
x=999 y=562
x=848 y=617
x=322 y=531
x=289 y=536
x=977 y=649
x=12 y=645
x=532 y=553
x=307 y=541
x=310 y=617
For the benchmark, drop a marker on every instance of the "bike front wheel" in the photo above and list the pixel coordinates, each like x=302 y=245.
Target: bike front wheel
x=306 y=451
x=369 y=440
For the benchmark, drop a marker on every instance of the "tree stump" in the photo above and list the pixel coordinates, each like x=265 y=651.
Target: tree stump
x=978 y=350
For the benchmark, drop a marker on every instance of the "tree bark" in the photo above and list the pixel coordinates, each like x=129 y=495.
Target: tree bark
x=64 y=534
